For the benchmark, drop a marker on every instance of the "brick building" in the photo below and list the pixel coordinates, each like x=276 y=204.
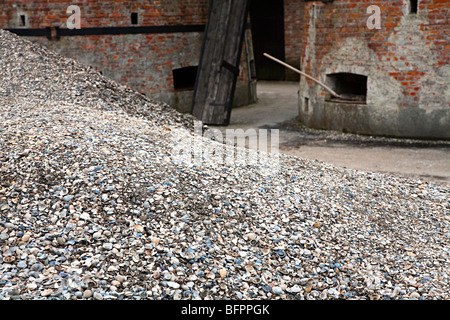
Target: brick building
x=114 y=40
x=152 y=46
x=400 y=73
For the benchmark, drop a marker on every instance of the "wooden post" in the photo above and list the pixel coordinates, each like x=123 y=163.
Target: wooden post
x=219 y=62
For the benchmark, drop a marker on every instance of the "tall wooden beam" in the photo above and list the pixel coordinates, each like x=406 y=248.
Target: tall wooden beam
x=219 y=61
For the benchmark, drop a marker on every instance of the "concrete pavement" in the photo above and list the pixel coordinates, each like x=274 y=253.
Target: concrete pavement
x=277 y=109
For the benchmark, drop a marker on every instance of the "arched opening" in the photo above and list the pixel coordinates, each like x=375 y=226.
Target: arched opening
x=184 y=78
x=183 y=85
x=352 y=87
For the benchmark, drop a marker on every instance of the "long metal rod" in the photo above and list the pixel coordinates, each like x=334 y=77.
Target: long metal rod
x=304 y=74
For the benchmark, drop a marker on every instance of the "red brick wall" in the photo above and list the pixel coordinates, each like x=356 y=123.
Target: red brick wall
x=406 y=62
x=293 y=25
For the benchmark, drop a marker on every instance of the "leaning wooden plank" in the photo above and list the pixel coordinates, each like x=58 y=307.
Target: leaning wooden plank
x=219 y=62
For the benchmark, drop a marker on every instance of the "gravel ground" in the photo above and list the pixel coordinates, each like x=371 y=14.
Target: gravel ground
x=94 y=204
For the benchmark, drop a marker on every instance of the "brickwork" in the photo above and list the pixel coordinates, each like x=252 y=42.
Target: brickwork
x=293 y=25
x=107 y=13
x=406 y=61
x=142 y=61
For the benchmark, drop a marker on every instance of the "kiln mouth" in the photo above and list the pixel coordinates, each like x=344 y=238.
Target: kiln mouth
x=351 y=87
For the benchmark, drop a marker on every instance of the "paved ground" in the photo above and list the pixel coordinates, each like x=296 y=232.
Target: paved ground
x=277 y=108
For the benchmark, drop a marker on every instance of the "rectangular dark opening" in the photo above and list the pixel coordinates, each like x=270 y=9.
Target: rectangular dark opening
x=352 y=87
x=414 y=4
x=184 y=78
x=268 y=35
x=22 y=20
x=134 y=18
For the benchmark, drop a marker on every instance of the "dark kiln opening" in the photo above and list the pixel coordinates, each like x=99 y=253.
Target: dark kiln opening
x=184 y=78
x=350 y=86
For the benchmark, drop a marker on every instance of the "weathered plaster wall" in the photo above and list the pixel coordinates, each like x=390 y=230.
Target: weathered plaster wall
x=406 y=61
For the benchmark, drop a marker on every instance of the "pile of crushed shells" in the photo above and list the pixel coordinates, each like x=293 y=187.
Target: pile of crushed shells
x=96 y=204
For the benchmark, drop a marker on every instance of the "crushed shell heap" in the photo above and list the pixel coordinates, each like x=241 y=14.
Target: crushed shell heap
x=93 y=205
